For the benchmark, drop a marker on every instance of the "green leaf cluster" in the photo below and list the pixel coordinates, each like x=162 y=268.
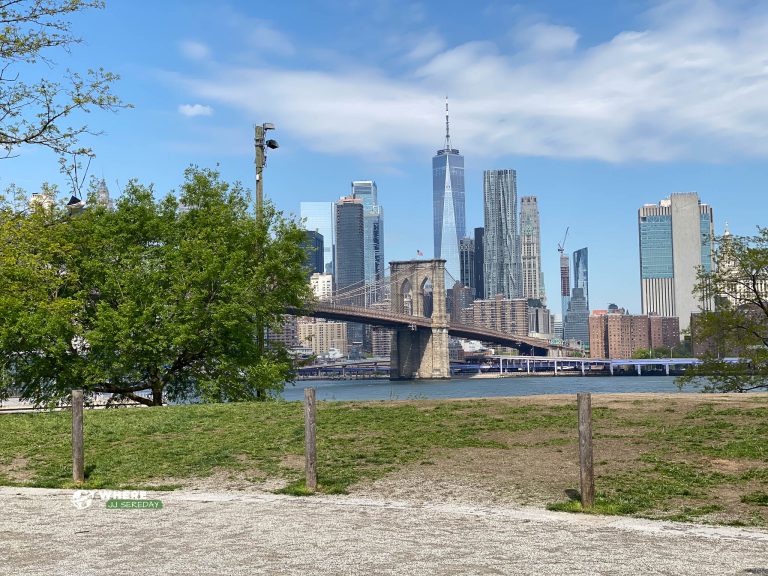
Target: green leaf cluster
x=152 y=301
x=34 y=111
x=738 y=325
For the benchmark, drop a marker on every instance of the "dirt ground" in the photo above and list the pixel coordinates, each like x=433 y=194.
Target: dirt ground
x=541 y=466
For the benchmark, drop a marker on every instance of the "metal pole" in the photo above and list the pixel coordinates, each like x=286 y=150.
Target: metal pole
x=259 y=143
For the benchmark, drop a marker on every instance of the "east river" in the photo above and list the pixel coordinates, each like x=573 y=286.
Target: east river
x=479 y=387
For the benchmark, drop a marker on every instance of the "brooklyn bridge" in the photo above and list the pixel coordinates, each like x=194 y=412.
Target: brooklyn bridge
x=418 y=316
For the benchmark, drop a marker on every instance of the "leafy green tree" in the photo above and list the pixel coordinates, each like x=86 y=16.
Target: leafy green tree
x=738 y=326
x=155 y=298
x=32 y=111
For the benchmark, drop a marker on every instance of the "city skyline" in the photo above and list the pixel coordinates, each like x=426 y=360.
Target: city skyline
x=599 y=111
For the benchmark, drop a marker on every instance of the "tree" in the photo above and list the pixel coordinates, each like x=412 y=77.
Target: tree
x=159 y=297
x=738 y=326
x=34 y=111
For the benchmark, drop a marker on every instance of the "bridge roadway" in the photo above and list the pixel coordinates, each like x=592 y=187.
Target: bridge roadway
x=389 y=319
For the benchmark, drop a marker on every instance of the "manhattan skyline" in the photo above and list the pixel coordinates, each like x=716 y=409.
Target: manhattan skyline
x=599 y=111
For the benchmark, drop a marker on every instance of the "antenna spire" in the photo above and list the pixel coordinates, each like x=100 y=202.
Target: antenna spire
x=447 y=127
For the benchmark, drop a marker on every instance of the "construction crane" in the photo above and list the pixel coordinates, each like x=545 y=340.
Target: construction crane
x=561 y=245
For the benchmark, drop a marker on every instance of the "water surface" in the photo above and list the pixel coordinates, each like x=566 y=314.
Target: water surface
x=479 y=387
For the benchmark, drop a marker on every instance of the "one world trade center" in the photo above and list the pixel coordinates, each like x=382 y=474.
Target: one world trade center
x=448 y=203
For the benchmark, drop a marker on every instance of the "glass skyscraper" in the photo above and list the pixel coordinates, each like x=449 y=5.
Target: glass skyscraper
x=373 y=233
x=501 y=261
x=576 y=317
x=448 y=204
x=321 y=217
x=581 y=271
x=675 y=239
x=350 y=259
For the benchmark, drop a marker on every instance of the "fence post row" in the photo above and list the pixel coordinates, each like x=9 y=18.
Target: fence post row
x=78 y=459
x=586 y=470
x=310 y=449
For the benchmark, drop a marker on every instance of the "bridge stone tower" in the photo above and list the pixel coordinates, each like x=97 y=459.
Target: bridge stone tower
x=419 y=352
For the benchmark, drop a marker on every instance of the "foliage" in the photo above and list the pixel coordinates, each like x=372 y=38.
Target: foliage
x=159 y=296
x=738 y=326
x=680 y=351
x=33 y=111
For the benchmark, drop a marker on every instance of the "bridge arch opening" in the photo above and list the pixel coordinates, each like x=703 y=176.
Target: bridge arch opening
x=427 y=297
x=406 y=297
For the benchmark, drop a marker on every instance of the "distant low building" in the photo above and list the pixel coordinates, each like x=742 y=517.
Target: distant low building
x=508 y=315
x=615 y=334
x=322 y=336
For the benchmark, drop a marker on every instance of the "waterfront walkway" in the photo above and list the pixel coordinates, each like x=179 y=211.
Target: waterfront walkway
x=237 y=533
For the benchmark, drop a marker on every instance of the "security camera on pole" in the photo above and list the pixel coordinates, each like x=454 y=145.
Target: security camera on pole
x=261 y=160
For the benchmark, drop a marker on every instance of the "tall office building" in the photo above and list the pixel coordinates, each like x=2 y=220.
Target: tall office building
x=530 y=249
x=479 y=280
x=373 y=229
x=448 y=203
x=467 y=262
x=675 y=239
x=565 y=283
x=350 y=259
x=501 y=261
x=313 y=246
x=581 y=272
x=320 y=217
x=576 y=318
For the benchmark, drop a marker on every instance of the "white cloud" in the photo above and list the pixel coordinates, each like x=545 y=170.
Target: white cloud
x=548 y=38
x=195 y=110
x=693 y=84
x=194 y=50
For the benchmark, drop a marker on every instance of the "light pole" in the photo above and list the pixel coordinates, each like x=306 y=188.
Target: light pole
x=261 y=160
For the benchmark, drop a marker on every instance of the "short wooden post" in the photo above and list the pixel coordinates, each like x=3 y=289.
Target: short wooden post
x=310 y=448
x=78 y=459
x=586 y=470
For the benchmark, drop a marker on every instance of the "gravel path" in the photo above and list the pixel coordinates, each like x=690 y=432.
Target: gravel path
x=42 y=533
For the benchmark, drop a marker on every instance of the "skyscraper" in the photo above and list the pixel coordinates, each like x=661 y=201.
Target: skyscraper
x=373 y=233
x=479 y=280
x=313 y=245
x=581 y=271
x=565 y=283
x=467 y=262
x=675 y=239
x=530 y=249
x=448 y=203
x=320 y=217
x=576 y=318
x=350 y=259
x=501 y=261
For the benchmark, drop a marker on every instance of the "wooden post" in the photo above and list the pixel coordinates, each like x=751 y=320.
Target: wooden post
x=78 y=464
x=586 y=470
x=310 y=448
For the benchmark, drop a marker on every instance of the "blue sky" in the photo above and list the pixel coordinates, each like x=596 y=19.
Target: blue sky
x=600 y=107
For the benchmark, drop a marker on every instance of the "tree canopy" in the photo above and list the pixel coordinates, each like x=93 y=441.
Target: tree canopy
x=738 y=326
x=33 y=110
x=156 y=299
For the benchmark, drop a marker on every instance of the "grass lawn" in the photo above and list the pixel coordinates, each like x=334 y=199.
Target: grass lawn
x=679 y=457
